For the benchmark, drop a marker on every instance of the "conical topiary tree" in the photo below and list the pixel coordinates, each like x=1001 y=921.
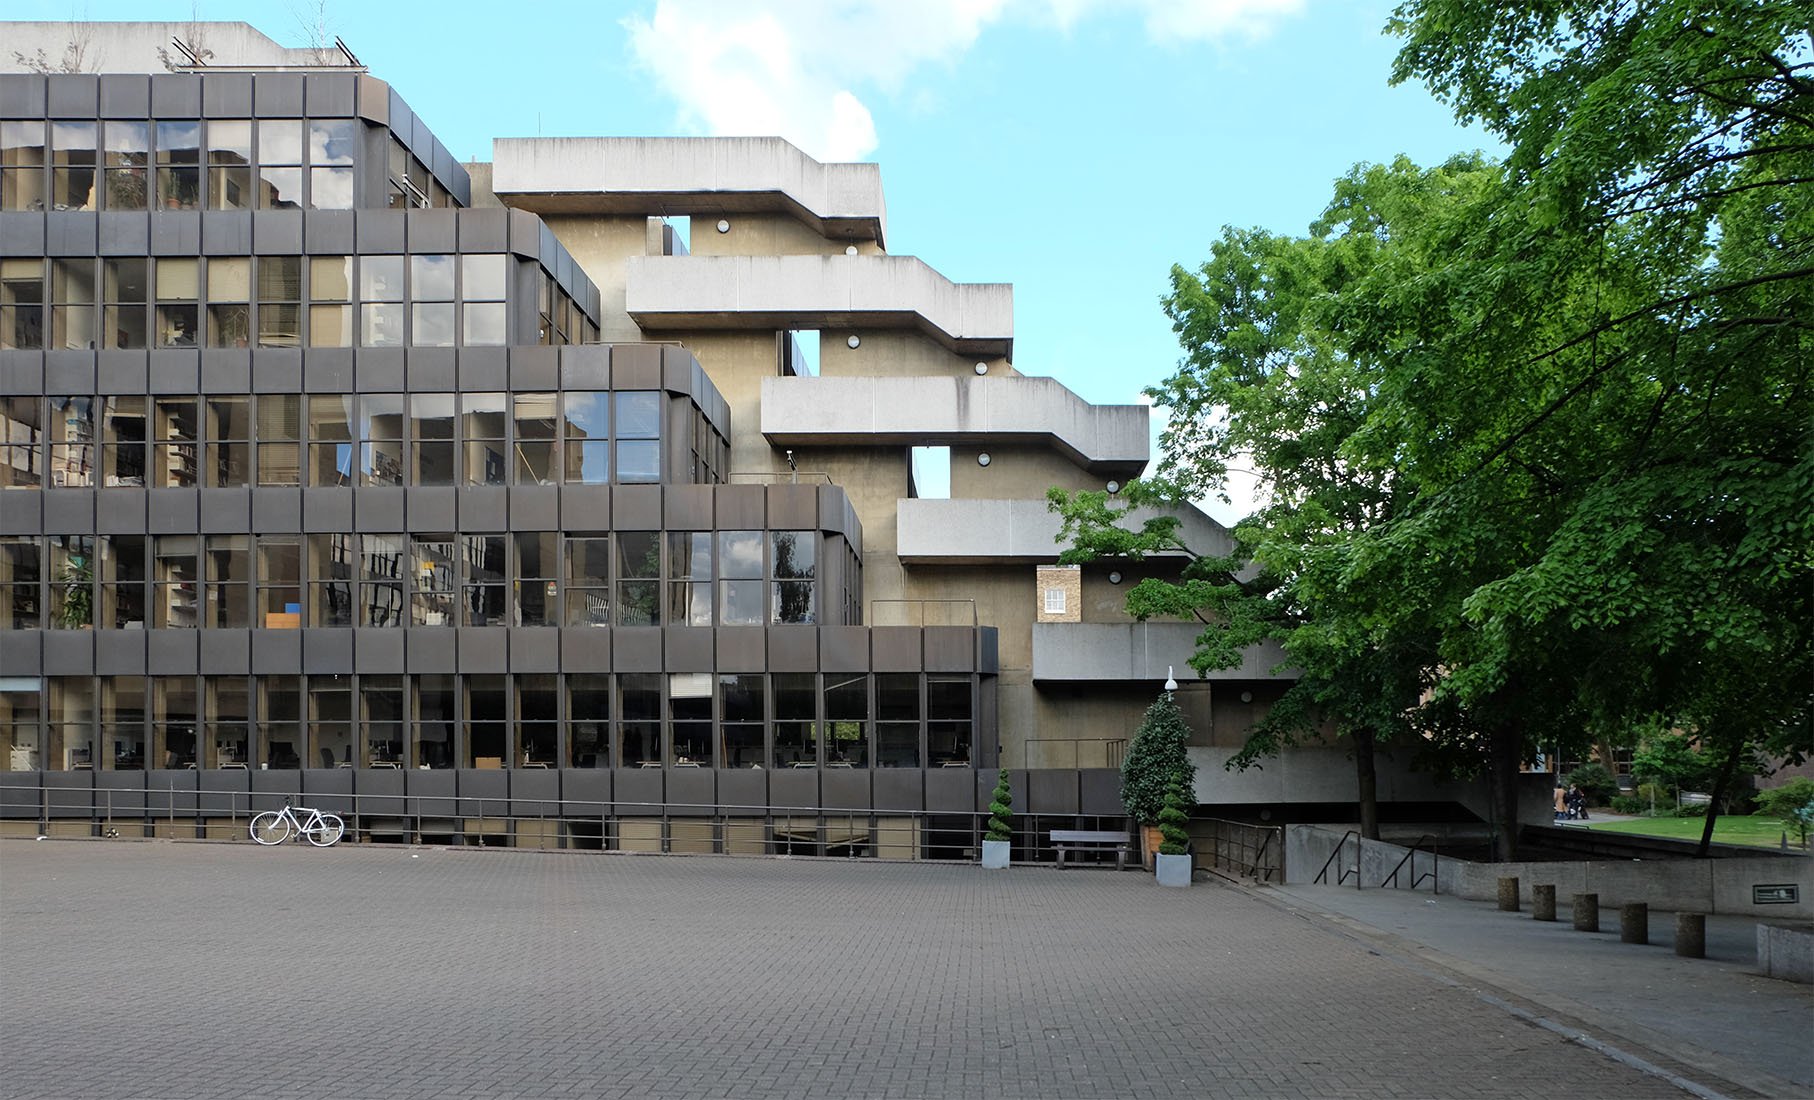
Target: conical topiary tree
x=1155 y=757
x=1001 y=811
x=1174 y=821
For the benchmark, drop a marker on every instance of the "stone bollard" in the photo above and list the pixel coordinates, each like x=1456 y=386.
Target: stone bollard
x=1691 y=935
x=1508 y=894
x=1543 y=901
x=1587 y=912
x=1634 y=922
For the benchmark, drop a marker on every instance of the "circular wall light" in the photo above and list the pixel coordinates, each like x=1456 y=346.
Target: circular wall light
x=982 y=368
x=850 y=250
x=982 y=459
x=723 y=226
x=1115 y=578
x=1247 y=697
x=853 y=340
x=1114 y=486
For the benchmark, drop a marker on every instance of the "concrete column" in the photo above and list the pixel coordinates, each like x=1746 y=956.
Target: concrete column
x=1691 y=935
x=1587 y=912
x=1543 y=901
x=1508 y=894
x=1634 y=922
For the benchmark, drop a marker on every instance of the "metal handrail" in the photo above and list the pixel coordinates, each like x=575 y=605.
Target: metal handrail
x=1341 y=876
x=1417 y=879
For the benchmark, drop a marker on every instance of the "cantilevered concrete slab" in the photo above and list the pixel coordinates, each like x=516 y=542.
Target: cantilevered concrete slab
x=1110 y=440
x=796 y=292
x=1137 y=651
x=981 y=532
x=622 y=175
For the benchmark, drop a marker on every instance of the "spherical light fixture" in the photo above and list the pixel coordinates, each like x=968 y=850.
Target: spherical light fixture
x=1114 y=487
x=1115 y=577
x=854 y=340
x=1171 y=682
x=723 y=226
x=850 y=250
x=982 y=459
x=982 y=368
x=1247 y=697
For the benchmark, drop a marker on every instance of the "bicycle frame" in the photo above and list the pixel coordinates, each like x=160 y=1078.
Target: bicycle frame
x=275 y=826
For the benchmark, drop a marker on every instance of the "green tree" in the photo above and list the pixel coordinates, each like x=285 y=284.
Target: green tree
x=1154 y=758
x=1001 y=810
x=1174 y=820
x=1793 y=802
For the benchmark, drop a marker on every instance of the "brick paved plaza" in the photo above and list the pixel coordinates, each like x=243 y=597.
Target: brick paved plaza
x=157 y=969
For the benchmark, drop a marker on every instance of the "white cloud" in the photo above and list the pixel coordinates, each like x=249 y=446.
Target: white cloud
x=799 y=68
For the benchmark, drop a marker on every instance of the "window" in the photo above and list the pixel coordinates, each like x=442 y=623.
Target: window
x=73 y=441
x=22 y=422
x=229 y=164
x=122 y=732
x=431 y=433
x=179 y=158
x=588 y=720
x=1054 y=601
x=588 y=593
x=537 y=462
x=280 y=439
x=229 y=449
x=330 y=726
x=229 y=580
x=174 y=582
x=486 y=577
x=588 y=431
x=381 y=301
x=280 y=727
x=121 y=604
x=538 y=719
x=69 y=727
x=433 y=744
x=127 y=157
x=487 y=736
x=483 y=279
x=72 y=302
x=740 y=578
x=431 y=295
x=483 y=425
x=846 y=727
x=71 y=576
x=21 y=303
x=381 y=580
x=690 y=566
x=174 y=440
x=638 y=578
x=279 y=582
x=433 y=570
x=690 y=719
x=125 y=291
x=123 y=457
x=228 y=722
x=21 y=165
x=639 y=732
x=331 y=421
x=229 y=302
x=175 y=719
x=280 y=164
x=330 y=579
x=740 y=707
x=330 y=301
x=72 y=158
x=178 y=323
x=381 y=721
x=333 y=143
x=537 y=561
x=638 y=435
x=381 y=439
x=792 y=589
x=20 y=703
x=796 y=708
x=279 y=301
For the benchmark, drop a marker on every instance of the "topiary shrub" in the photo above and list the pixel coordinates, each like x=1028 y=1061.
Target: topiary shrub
x=1154 y=759
x=1001 y=811
x=1174 y=821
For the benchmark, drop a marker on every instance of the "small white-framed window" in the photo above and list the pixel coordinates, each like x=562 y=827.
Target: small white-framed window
x=1054 y=601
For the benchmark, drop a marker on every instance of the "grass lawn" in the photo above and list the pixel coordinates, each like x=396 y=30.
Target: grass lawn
x=1759 y=830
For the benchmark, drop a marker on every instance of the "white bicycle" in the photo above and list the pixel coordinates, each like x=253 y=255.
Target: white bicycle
x=275 y=826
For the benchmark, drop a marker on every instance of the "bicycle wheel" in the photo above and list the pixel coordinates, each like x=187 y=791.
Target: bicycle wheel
x=270 y=827
x=327 y=831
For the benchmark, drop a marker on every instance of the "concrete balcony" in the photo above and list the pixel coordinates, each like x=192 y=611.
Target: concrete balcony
x=706 y=176
x=1109 y=440
x=981 y=532
x=818 y=292
x=1135 y=651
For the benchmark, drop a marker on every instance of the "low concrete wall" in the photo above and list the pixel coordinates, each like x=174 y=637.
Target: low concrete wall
x=1786 y=953
x=1693 y=885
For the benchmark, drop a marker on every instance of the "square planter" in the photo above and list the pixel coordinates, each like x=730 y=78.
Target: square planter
x=1172 y=870
x=995 y=853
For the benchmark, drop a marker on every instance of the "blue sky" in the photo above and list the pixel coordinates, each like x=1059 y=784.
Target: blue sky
x=1075 y=148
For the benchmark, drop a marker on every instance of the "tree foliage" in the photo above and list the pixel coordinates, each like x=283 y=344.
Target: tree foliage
x=1155 y=758
x=1535 y=435
x=1001 y=810
x=1174 y=820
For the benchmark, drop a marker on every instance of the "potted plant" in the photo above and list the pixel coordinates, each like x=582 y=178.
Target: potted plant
x=1154 y=758
x=1172 y=866
x=998 y=843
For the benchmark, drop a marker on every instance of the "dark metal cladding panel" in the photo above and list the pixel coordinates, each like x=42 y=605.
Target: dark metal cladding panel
x=691 y=791
x=1052 y=791
x=484 y=508
x=276 y=510
x=330 y=95
x=794 y=788
x=484 y=649
x=899 y=789
x=378 y=508
x=174 y=372
x=123 y=233
x=844 y=788
x=171 y=652
x=484 y=792
x=585 y=508
x=68 y=652
x=329 y=232
x=226 y=652
x=126 y=95
x=276 y=652
x=172 y=511
x=1099 y=792
x=431 y=230
x=382 y=370
x=636 y=649
x=430 y=793
x=379 y=650
x=226 y=511
x=277 y=232
x=950 y=649
x=486 y=230
x=327 y=511
x=119 y=652
x=227 y=232
x=122 y=372
x=535 y=507
x=687 y=648
x=176 y=233
x=535 y=649
x=119 y=794
x=484 y=369
x=638 y=792
x=431 y=649
x=741 y=649
x=743 y=792
x=793 y=649
x=326 y=370
x=22 y=513
x=328 y=789
x=951 y=790
x=170 y=793
x=69 y=511
x=688 y=507
x=74 y=95
x=67 y=233
x=379 y=792
x=432 y=370
x=844 y=648
x=23 y=95
x=586 y=792
x=226 y=370
x=271 y=789
x=379 y=231
x=374 y=100
x=636 y=367
x=585 y=649
x=741 y=507
x=429 y=509
x=225 y=792
x=21 y=795
x=175 y=95
x=278 y=95
x=535 y=792
x=895 y=648
x=535 y=368
x=69 y=794
x=325 y=651
x=22 y=233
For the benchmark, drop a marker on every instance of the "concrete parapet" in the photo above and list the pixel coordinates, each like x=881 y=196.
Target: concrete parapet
x=975 y=532
x=1786 y=952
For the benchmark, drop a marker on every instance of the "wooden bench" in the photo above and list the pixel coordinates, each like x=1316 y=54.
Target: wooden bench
x=1077 y=841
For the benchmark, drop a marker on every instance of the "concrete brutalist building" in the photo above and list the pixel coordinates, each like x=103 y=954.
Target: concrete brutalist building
x=468 y=501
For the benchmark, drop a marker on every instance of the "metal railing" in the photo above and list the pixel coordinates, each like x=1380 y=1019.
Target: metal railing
x=778 y=477
x=922 y=613
x=1256 y=852
x=1084 y=752
x=1417 y=879
x=1341 y=876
